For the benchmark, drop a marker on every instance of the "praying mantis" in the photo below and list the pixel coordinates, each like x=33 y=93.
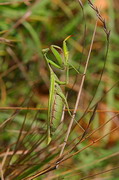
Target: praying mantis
x=57 y=99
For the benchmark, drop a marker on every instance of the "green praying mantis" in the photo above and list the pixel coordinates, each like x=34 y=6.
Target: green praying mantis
x=57 y=99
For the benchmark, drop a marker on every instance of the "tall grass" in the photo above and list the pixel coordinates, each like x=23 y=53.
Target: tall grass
x=87 y=149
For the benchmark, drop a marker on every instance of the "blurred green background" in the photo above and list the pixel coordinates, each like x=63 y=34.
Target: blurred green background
x=26 y=27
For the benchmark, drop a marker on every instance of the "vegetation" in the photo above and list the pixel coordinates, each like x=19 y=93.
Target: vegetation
x=84 y=144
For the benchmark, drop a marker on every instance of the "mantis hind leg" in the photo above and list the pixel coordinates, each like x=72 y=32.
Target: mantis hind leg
x=48 y=136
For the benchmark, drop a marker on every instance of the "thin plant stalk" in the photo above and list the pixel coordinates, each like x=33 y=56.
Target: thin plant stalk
x=79 y=94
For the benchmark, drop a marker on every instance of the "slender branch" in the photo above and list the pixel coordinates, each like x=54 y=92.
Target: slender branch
x=45 y=109
x=79 y=94
x=102 y=172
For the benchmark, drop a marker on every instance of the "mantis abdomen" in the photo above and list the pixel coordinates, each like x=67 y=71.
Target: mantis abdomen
x=57 y=109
